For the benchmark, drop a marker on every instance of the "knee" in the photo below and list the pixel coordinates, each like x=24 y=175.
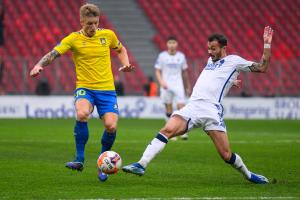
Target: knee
x=168 y=131
x=111 y=127
x=82 y=115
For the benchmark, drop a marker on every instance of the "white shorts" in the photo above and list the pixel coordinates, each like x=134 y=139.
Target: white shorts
x=201 y=113
x=171 y=96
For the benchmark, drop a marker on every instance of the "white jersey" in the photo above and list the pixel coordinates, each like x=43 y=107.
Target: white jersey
x=171 y=67
x=217 y=78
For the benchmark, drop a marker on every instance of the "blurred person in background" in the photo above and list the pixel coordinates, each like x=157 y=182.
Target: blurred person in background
x=43 y=88
x=119 y=86
x=172 y=76
x=1 y=23
x=150 y=88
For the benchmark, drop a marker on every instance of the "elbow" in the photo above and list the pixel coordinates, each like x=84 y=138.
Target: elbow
x=123 y=50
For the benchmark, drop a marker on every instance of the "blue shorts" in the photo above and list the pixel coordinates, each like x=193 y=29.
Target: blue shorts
x=105 y=101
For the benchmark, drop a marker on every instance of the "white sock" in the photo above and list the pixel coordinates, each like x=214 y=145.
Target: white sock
x=240 y=166
x=154 y=148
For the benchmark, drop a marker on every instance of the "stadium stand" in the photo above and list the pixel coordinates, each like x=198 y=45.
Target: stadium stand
x=34 y=27
x=191 y=21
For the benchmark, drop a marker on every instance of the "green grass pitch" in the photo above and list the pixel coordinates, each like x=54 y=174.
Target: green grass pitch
x=33 y=153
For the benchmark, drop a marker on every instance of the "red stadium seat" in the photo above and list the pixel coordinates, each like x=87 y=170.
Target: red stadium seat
x=33 y=35
x=242 y=22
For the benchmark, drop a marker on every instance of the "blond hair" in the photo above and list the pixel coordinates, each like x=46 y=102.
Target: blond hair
x=89 y=10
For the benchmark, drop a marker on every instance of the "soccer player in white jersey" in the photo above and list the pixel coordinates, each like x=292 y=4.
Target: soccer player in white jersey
x=172 y=75
x=205 y=109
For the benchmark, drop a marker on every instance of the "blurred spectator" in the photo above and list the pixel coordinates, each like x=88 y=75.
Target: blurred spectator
x=1 y=23
x=244 y=93
x=119 y=86
x=43 y=87
x=150 y=88
x=1 y=68
x=2 y=92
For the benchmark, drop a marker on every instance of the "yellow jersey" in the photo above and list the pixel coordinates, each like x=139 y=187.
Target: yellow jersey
x=91 y=56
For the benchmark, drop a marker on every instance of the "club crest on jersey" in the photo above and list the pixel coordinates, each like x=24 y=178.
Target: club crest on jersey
x=213 y=66
x=103 y=41
x=116 y=106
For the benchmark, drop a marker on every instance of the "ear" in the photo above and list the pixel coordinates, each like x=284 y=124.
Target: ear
x=224 y=48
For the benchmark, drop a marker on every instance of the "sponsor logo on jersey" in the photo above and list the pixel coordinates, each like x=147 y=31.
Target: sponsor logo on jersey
x=213 y=66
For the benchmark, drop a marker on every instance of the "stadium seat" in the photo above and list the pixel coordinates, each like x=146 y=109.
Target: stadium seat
x=30 y=36
x=242 y=22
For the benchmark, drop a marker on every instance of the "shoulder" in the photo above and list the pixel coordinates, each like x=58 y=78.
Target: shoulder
x=73 y=35
x=163 y=54
x=233 y=57
x=179 y=53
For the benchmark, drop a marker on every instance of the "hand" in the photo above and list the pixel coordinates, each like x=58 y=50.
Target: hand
x=36 y=71
x=237 y=83
x=126 y=68
x=164 y=85
x=268 y=33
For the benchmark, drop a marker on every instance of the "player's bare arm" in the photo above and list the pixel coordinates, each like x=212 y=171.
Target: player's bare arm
x=160 y=80
x=123 y=57
x=185 y=77
x=45 y=61
x=262 y=66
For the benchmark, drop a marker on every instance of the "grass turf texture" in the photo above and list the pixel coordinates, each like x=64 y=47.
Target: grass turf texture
x=33 y=153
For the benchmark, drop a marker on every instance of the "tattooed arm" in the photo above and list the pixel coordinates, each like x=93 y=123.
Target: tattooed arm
x=262 y=66
x=45 y=61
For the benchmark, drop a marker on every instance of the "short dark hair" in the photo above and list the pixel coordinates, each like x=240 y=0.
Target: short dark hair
x=171 y=38
x=222 y=40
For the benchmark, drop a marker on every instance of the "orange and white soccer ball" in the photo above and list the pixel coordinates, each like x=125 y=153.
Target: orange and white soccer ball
x=109 y=162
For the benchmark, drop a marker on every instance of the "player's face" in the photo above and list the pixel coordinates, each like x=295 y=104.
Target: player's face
x=172 y=45
x=215 y=51
x=90 y=25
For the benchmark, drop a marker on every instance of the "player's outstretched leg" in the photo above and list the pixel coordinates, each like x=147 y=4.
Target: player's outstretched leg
x=221 y=142
x=237 y=162
x=176 y=125
x=81 y=134
x=108 y=138
x=154 y=148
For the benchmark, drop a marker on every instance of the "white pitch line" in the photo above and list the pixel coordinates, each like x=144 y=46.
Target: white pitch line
x=200 y=198
x=139 y=141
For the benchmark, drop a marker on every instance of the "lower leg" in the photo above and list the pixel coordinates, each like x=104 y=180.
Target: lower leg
x=173 y=127
x=109 y=135
x=237 y=162
x=154 y=148
x=81 y=134
x=107 y=140
x=221 y=142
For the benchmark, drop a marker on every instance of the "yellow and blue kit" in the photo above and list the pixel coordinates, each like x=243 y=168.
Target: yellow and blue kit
x=91 y=56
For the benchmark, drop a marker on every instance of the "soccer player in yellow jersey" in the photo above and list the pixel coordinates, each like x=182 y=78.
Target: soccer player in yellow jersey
x=95 y=85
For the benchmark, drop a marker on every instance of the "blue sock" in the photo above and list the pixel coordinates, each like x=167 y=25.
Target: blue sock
x=107 y=140
x=81 y=133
